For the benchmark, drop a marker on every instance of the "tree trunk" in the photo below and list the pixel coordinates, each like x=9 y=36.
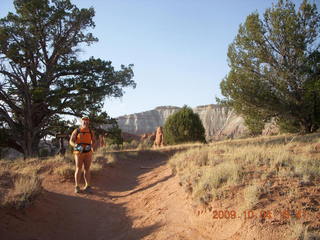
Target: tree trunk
x=31 y=147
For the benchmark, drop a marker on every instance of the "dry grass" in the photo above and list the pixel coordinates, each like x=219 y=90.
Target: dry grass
x=205 y=171
x=205 y=174
x=20 y=179
x=131 y=145
x=184 y=146
x=26 y=188
x=273 y=174
x=307 y=167
x=95 y=168
x=251 y=195
x=299 y=231
x=112 y=159
x=65 y=171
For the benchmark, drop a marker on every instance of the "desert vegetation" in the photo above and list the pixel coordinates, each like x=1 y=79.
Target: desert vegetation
x=274 y=70
x=274 y=75
x=209 y=170
x=256 y=173
x=19 y=189
x=43 y=78
x=270 y=173
x=20 y=180
x=130 y=145
x=183 y=126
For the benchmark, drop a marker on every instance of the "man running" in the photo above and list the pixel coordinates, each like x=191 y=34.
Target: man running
x=82 y=140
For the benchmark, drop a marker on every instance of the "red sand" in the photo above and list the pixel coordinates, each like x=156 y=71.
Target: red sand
x=138 y=199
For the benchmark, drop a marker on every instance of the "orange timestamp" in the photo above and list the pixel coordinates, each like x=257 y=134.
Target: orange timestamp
x=250 y=214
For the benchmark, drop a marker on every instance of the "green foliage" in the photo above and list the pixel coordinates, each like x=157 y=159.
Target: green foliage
x=183 y=126
x=255 y=124
x=114 y=136
x=44 y=152
x=274 y=66
x=42 y=78
x=288 y=125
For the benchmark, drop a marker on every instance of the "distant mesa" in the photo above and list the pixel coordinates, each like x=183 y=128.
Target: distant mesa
x=166 y=107
x=219 y=122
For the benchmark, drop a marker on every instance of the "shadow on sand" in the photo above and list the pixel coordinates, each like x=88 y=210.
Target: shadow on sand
x=95 y=216
x=57 y=216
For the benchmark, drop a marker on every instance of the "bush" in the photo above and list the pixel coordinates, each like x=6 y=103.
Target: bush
x=44 y=152
x=114 y=136
x=26 y=188
x=65 y=171
x=288 y=125
x=183 y=126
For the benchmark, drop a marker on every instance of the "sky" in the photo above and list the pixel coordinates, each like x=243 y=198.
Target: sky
x=178 y=47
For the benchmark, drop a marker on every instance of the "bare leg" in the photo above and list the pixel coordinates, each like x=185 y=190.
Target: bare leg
x=87 y=163
x=79 y=164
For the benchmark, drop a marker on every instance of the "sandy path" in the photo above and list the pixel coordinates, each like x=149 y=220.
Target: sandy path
x=129 y=202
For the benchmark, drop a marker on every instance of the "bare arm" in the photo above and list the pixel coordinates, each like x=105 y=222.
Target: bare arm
x=72 y=141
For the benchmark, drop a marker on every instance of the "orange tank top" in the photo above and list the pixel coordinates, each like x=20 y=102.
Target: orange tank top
x=84 y=136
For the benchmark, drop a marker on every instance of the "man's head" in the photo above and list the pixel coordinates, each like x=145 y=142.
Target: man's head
x=85 y=121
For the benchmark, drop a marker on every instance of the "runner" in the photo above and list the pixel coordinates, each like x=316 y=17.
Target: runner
x=82 y=139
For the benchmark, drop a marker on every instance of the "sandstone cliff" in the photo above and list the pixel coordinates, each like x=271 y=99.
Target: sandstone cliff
x=218 y=121
x=145 y=122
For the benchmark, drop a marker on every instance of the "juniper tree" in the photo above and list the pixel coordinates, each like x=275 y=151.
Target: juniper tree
x=183 y=126
x=274 y=67
x=41 y=76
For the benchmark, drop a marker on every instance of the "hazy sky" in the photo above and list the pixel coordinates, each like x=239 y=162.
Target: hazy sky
x=178 y=47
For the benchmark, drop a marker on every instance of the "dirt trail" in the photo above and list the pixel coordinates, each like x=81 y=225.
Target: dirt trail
x=138 y=199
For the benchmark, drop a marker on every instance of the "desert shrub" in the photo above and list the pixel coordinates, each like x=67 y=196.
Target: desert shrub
x=112 y=160
x=307 y=167
x=44 y=152
x=113 y=147
x=255 y=123
x=133 y=144
x=204 y=174
x=126 y=145
x=212 y=180
x=251 y=196
x=114 y=136
x=145 y=144
x=95 y=168
x=300 y=231
x=183 y=126
x=207 y=170
x=288 y=125
x=65 y=171
x=26 y=188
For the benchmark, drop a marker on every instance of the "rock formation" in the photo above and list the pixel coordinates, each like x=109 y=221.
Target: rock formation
x=145 y=122
x=218 y=121
x=158 y=142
